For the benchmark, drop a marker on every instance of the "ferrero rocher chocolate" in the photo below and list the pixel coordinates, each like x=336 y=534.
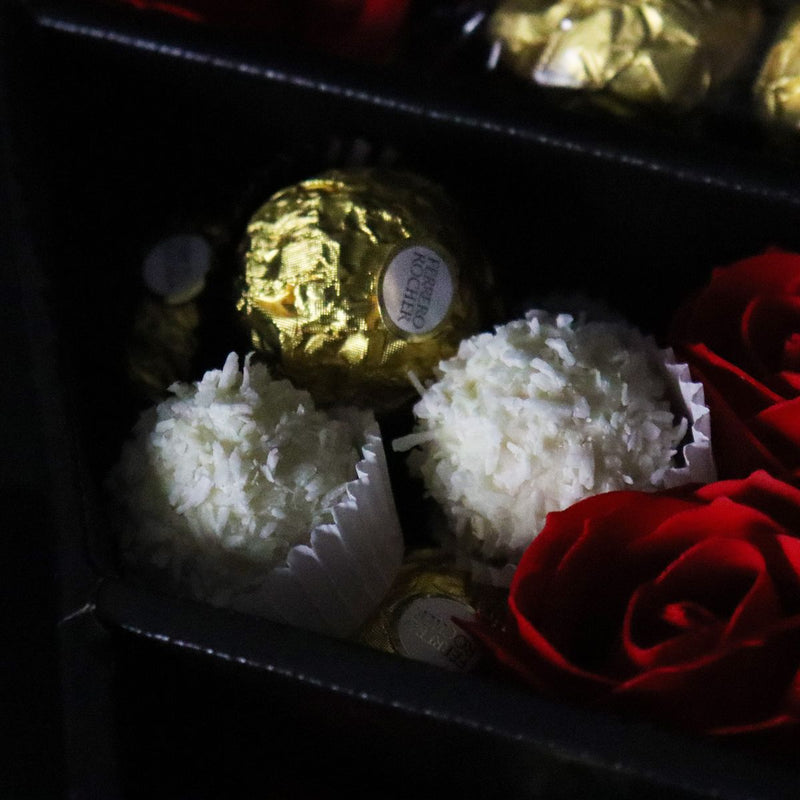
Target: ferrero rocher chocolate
x=627 y=53
x=164 y=336
x=162 y=346
x=356 y=278
x=415 y=620
x=777 y=88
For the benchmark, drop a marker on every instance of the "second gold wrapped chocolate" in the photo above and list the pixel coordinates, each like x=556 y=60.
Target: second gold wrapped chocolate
x=354 y=279
x=630 y=53
x=777 y=88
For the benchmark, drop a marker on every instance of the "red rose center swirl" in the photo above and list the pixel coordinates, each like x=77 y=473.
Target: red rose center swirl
x=790 y=359
x=697 y=603
x=770 y=331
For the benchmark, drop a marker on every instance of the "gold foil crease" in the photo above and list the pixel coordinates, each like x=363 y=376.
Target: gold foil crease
x=657 y=53
x=777 y=88
x=314 y=253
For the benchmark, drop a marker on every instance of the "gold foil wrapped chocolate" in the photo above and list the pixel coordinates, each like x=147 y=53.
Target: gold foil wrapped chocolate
x=627 y=53
x=415 y=620
x=777 y=88
x=356 y=278
x=162 y=346
x=164 y=336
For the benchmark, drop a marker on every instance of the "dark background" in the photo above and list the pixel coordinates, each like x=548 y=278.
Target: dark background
x=119 y=128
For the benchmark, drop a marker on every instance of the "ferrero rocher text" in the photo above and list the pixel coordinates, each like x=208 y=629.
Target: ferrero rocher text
x=627 y=53
x=356 y=278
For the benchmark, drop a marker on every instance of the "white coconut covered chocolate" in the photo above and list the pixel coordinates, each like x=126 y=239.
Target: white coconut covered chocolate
x=238 y=492
x=536 y=416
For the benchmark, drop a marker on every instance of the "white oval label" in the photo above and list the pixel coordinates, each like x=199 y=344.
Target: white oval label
x=426 y=632
x=416 y=290
x=176 y=267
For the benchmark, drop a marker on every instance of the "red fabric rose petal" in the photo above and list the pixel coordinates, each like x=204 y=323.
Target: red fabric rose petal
x=780 y=724
x=779 y=427
x=167 y=8
x=738 y=450
x=777 y=500
x=561 y=530
x=742 y=685
x=790 y=359
x=741 y=337
x=714 y=513
x=718 y=589
x=774 y=272
x=748 y=394
x=563 y=610
x=683 y=605
x=542 y=667
x=769 y=327
x=553 y=668
x=707 y=317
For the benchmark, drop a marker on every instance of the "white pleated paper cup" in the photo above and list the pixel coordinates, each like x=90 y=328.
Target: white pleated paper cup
x=204 y=508
x=335 y=582
x=496 y=559
x=544 y=412
x=688 y=398
x=694 y=465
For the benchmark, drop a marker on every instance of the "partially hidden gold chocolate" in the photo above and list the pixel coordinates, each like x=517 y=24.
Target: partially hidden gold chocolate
x=164 y=337
x=354 y=279
x=415 y=620
x=162 y=346
x=777 y=87
x=627 y=53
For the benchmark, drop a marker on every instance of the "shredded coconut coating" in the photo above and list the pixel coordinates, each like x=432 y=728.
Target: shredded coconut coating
x=530 y=419
x=222 y=479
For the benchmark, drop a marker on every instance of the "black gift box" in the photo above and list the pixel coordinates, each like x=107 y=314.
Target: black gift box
x=122 y=126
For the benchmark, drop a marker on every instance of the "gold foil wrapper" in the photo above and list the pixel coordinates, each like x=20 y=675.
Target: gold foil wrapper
x=164 y=337
x=656 y=53
x=777 y=88
x=354 y=279
x=162 y=346
x=415 y=619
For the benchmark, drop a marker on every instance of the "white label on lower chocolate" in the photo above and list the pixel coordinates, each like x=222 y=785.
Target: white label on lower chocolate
x=176 y=267
x=416 y=290
x=425 y=631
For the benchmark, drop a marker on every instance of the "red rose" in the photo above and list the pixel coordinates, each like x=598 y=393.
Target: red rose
x=741 y=338
x=683 y=605
x=366 y=30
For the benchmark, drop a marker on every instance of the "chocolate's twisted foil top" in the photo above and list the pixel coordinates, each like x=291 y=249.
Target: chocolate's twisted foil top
x=627 y=53
x=357 y=277
x=777 y=88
